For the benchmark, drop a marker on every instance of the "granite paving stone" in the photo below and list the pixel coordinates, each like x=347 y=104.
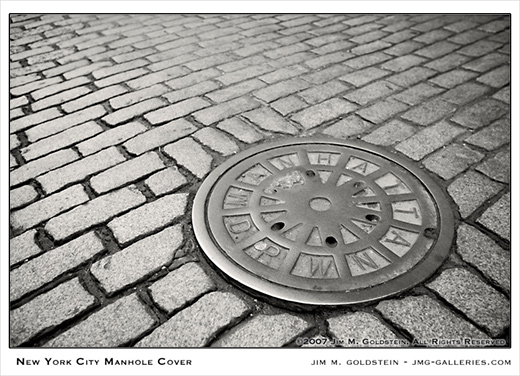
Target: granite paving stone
x=315 y=115
x=429 y=112
x=364 y=76
x=240 y=129
x=365 y=329
x=481 y=303
x=497 y=217
x=132 y=111
x=450 y=161
x=95 y=211
x=159 y=136
x=485 y=254
x=112 y=326
x=176 y=110
x=61 y=140
x=269 y=120
x=64 y=122
x=51 y=264
x=58 y=305
x=428 y=321
x=217 y=141
x=497 y=167
x=497 y=77
x=172 y=292
x=22 y=196
x=110 y=137
x=165 y=181
x=487 y=62
x=48 y=207
x=464 y=93
x=493 y=136
x=148 y=217
x=196 y=325
x=41 y=165
x=33 y=119
x=23 y=246
x=428 y=140
x=348 y=127
x=190 y=155
x=480 y=114
x=126 y=172
x=210 y=115
x=471 y=190
x=93 y=98
x=78 y=170
x=382 y=110
x=372 y=92
x=504 y=95
x=138 y=96
x=138 y=260
x=264 y=331
x=390 y=133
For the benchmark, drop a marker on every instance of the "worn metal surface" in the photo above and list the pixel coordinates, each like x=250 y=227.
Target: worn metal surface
x=322 y=221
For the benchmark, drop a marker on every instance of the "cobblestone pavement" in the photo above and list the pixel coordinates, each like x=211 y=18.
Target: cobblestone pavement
x=117 y=119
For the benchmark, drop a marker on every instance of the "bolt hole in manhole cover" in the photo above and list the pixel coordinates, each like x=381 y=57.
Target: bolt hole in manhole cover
x=321 y=221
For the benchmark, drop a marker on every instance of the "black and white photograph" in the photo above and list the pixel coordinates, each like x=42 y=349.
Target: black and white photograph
x=229 y=192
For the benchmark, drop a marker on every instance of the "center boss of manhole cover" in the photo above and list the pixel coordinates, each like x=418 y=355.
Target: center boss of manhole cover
x=322 y=221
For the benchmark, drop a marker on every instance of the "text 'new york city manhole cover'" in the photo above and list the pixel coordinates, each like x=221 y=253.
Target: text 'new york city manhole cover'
x=322 y=221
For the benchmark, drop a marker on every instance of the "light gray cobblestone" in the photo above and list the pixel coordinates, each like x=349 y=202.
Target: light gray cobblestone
x=48 y=207
x=471 y=190
x=217 y=141
x=113 y=326
x=22 y=247
x=264 y=331
x=315 y=115
x=93 y=212
x=42 y=165
x=484 y=254
x=55 y=180
x=194 y=326
x=190 y=155
x=497 y=217
x=480 y=302
x=22 y=196
x=365 y=329
x=428 y=140
x=61 y=140
x=138 y=260
x=33 y=119
x=58 y=305
x=126 y=172
x=426 y=320
x=172 y=292
x=165 y=181
x=238 y=128
x=159 y=136
x=65 y=122
x=148 y=217
x=111 y=137
x=45 y=268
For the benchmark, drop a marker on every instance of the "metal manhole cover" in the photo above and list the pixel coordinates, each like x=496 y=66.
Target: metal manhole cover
x=323 y=222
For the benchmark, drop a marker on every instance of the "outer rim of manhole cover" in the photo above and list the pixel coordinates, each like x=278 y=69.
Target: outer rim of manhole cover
x=413 y=266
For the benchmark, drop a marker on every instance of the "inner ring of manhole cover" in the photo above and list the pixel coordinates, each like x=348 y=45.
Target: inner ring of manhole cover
x=323 y=222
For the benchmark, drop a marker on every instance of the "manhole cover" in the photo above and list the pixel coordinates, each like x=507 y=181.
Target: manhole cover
x=322 y=221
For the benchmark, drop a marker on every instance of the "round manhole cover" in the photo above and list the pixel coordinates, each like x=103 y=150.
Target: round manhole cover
x=322 y=221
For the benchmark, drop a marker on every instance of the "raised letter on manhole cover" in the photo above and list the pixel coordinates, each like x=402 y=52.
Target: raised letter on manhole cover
x=322 y=221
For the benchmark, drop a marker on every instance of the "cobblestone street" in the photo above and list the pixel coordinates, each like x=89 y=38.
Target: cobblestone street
x=116 y=120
